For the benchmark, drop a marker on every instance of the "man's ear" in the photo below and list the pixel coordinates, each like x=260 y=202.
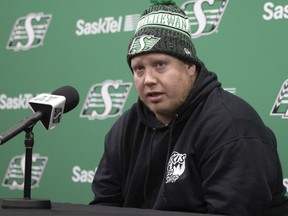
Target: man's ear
x=192 y=69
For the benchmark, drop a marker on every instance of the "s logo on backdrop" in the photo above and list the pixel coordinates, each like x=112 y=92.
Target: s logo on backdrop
x=14 y=177
x=285 y=183
x=280 y=107
x=204 y=15
x=105 y=100
x=29 y=31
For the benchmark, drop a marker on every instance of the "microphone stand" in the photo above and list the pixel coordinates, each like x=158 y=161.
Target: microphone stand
x=27 y=202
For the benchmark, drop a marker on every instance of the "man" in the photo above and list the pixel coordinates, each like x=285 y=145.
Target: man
x=186 y=145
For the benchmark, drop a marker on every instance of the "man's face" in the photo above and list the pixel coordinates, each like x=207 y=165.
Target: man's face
x=163 y=83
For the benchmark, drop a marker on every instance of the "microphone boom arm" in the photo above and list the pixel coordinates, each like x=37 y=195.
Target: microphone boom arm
x=23 y=125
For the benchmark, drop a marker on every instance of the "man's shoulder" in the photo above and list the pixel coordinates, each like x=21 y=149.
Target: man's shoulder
x=230 y=103
x=129 y=115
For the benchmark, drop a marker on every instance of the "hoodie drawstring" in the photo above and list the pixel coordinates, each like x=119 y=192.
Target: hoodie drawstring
x=168 y=157
x=149 y=166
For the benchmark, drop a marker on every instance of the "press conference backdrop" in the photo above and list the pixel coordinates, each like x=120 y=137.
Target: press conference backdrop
x=48 y=44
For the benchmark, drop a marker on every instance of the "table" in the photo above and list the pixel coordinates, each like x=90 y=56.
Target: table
x=68 y=209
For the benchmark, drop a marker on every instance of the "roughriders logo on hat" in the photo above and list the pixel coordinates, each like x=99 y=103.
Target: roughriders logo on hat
x=143 y=43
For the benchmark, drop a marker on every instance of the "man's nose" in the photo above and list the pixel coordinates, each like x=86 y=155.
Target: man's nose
x=150 y=77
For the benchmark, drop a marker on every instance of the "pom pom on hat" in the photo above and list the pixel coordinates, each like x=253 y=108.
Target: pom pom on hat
x=163 y=28
x=167 y=2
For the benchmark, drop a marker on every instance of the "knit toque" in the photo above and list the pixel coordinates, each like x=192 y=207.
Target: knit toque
x=163 y=28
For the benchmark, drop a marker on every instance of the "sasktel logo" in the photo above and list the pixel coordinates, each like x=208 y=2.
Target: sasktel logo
x=275 y=12
x=80 y=175
x=204 y=17
x=105 y=100
x=15 y=103
x=29 y=31
x=14 y=177
x=106 y=25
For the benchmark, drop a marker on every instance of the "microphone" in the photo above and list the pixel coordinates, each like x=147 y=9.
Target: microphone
x=52 y=106
x=48 y=108
x=71 y=95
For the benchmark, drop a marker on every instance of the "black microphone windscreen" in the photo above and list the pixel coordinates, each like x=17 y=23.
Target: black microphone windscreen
x=71 y=95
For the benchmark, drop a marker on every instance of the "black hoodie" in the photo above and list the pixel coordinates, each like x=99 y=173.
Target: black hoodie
x=216 y=156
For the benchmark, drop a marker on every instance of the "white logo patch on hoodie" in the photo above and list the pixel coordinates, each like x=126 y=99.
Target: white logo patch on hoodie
x=176 y=167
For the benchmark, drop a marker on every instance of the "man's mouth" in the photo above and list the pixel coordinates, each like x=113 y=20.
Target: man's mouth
x=154 y=96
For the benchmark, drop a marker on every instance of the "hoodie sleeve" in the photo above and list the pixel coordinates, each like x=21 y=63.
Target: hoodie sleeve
x=106 y=184
x=241 y=178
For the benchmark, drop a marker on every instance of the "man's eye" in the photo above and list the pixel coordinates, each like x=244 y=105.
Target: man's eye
x=138 y=70
x=160 y=65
